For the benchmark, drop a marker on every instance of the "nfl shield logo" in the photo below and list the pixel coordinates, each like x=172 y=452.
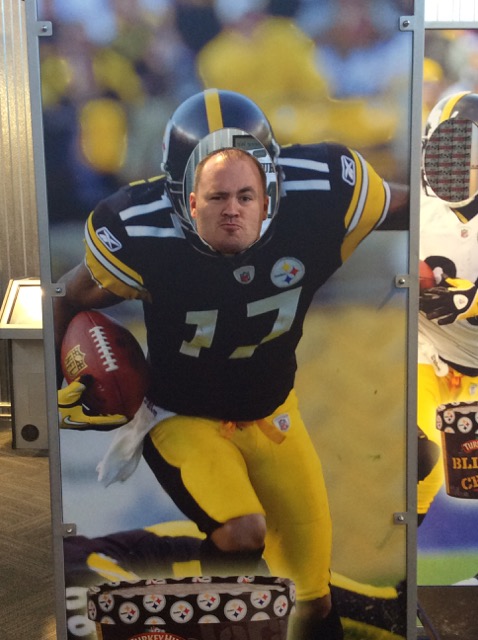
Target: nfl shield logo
x=244 y=275
x=282 y=422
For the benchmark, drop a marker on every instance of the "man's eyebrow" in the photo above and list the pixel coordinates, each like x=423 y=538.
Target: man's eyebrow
x=222 y=192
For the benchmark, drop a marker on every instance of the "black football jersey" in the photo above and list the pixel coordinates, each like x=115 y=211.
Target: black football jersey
x=222 y=330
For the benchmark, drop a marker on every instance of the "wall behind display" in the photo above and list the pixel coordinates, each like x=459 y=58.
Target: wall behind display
x=18 y=216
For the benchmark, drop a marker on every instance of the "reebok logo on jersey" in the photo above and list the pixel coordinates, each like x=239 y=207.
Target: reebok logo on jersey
x=244 y=275
x=348 y=170
x=286 y=272
x=108 y=239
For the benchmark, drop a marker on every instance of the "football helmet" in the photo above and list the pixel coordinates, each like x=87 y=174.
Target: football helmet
x=200 y=115
x=450 y=152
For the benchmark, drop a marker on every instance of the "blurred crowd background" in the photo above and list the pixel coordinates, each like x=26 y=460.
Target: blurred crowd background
x=114 y=70
x=451 y=64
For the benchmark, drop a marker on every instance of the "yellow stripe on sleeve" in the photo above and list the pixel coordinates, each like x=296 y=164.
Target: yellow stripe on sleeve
x=109 y=272
x=357 y=191
x=367 y=208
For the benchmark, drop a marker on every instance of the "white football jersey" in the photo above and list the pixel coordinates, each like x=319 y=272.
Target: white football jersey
x=449 y=245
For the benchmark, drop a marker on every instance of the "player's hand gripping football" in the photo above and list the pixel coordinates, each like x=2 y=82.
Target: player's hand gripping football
x=454 y=299
x=72 y=412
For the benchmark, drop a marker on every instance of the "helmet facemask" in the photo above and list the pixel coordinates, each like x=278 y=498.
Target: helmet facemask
x=226 y=138
x=203 y=114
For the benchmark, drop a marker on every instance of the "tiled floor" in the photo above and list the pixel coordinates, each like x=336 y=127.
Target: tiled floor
x=26 y=567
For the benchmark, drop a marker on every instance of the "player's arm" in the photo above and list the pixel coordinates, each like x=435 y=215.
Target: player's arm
x=81 y=293
x=399 y=209
x=454 y=299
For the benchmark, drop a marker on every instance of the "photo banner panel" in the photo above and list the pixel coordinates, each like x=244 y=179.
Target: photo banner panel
x=220 y=441
x=447 y=355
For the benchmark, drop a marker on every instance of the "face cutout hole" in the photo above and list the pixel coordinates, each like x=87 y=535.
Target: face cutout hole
x=230 y=137
x=451 y=161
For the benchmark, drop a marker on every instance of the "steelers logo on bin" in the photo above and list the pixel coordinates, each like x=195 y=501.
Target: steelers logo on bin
x=464 y=424
x=106 y=602
x=247 y=605
x=281 y=606
x=154 y=602
x=128 y=612
x=208 y=601
x=235 y=609
x=260 y=599
x=181 y=612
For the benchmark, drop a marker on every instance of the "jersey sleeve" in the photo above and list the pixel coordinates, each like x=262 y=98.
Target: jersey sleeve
x=369 y=199
x=108 y=258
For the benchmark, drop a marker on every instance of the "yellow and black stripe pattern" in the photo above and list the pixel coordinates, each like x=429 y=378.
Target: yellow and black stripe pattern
x=110 y=272
x=368 y=206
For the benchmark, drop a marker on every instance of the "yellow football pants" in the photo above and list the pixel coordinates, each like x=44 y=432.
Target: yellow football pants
x=269 y=467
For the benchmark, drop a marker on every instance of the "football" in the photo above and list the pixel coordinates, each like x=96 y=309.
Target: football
x=426 y=276
x=98 y=346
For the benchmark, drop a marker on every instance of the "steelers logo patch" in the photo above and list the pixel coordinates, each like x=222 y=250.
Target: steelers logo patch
x=208 y=601
x=181 y=611
x=107 y=620
x=287 y=272
x=235 y=609
x=154 y=603
x=128 y=612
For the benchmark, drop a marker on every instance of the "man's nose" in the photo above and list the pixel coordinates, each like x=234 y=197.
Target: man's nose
x=231 y=207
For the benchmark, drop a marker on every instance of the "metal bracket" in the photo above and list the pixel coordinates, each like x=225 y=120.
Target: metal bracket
x=407 y=23
x=68 y=529
x=400 y=517
x=402 y=281
x=55 y=290
x=45 y=28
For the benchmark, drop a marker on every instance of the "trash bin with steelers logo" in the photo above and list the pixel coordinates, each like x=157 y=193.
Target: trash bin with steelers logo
x=205 y=608
x=458 y=423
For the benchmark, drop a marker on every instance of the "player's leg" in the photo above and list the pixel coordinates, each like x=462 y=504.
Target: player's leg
x=163 y=552
x=196 y=462
x=287 y=476
x=382 y=607
x=432 y=391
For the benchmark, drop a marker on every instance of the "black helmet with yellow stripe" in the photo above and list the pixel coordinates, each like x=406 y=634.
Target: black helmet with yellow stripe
x=450 y=152
x=202 y=114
